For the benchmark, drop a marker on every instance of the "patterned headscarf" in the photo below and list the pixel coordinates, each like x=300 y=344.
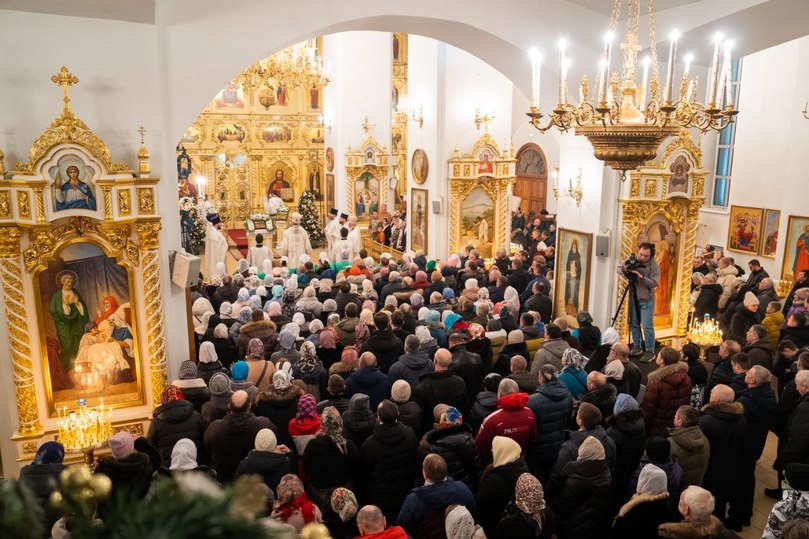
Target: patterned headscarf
x=171 y=393
x=50 y=453
x=307 y=407
x=362 y=334
x=450 y=417
x=281 y=380
x=308 y=361
x=350 y=358
x=529 y=497
x=476 y=331
x=255 y=349
x=331 y=426
x=573 y=358
x=327 y=340
x=344 y=503
x=289 y=488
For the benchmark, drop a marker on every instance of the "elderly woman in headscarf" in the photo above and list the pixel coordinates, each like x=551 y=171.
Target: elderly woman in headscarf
x=368 y=291
x=279 y=403
x=224 y=316
x=286 y=350
x=459 y=524
x=308 y=303
x=428 y=344
x=344 y=504
x=452 y=322
x=306 y=423
x=175 y=418
x=201 y=312
x=194 y=387
x=511 y=298
x=219 y=271
x=293 y=507
x=273 y=310
x=573 y=375
x=470 y=290
x=647 y=509
x=582 y=501
x=243 y=268
x=479 y=344
x=498 y=482
x=367 y=317
x=42 y=475
x=529 y=516
x=255 y=302
x=184 y=457
x=245 y=317
x=598 y=357
x=349 y=358
x=589 y=335
x=226 y=351
x=315 y=327
x=330 y=459
x=242 y=300
x=310 y=370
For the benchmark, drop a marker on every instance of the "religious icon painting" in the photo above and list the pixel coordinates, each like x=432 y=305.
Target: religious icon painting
x=88 y=329
x=477 y=220
x=744 y=229
x=330 y=202
x=73 y=187
x=769 y=234
x=418 y=223
x=572 y=284
x=366 y=195
x=796 y=247
x=420 y=166
x=329 y=159
x=277 y=133
x=230 y=98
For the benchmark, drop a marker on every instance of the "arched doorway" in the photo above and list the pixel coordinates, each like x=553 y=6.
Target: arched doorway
x=532 y=178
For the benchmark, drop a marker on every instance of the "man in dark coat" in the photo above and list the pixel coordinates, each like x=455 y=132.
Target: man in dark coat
x=440 y=387
x=369 y=380
x=723 y=370
x=724 y=425
x=552 y=405
x=344 y=297
x=227 y=441
x=759 y=405
x=226 y=292
x=519 y=276
x=466 y=364
x=757 y=274
x=801 y=281
x=386 y=346
x=423 y=508
x=758 y=346
x=601 y=394
x=795 y=445
x=539 y=302
x=389 y=462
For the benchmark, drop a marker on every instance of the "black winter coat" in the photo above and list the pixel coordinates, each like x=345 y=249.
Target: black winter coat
x=173 y=421
x=389 y=466
x=795 y=446
x=542 y=304
x=439 y=388
x=269 y=465
x=552 y=405
x=707 y=301
x=469 y=366
x=584 y=505
x=628 y=431
x=760 y=353
x=641 y=515
x=387 y=348
x=496 y=491
x=724 y=425
x=410 y=415
x=483 y=348
x=279 y=409
x=741 y=321
x=602 y=398
x=456 y=445
x=503 y=365
x=229 y=440
x=327 y=465
x=206 y=370
x=43 y=479
x=721 y=374
x=485 y=403
x=759 y=409
x=130 y=476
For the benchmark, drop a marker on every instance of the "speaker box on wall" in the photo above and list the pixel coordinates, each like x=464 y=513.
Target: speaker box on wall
x=185 y=272
x=602 y=245
x=437 y=206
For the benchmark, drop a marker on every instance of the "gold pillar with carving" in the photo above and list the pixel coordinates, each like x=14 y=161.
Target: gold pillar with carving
x=149 y=235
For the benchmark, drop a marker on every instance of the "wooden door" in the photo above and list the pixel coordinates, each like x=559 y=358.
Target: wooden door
x=532 y=178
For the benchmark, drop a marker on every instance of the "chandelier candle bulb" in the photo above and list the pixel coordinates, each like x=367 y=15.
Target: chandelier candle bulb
x=672 y=58
x=607 y=56
x=602 y=89
x=536 y=66
x=562 y=46
x=714 y=68
x=728 y=76
x=646 y=62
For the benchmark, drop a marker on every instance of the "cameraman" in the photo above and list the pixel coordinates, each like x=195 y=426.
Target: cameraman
x=645 y=280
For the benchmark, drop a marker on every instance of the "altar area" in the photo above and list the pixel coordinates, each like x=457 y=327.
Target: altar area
x=81 y=282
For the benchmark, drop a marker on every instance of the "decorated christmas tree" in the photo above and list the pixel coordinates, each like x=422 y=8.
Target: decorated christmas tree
x=310 y=219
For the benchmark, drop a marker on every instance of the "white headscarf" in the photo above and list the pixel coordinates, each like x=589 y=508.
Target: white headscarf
x=242 y=265
x=266 y=266
x=652 y=480
x=207 y=352
x=201 y=311
x=184 y=455
x=243 y=296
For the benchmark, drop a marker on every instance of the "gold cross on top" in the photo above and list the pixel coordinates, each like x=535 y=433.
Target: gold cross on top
x=142 y=131
x=65 y=79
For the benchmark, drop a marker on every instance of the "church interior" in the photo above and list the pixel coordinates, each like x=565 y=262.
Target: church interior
x=142 y=139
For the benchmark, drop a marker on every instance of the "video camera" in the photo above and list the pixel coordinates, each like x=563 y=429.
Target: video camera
x=630 y=265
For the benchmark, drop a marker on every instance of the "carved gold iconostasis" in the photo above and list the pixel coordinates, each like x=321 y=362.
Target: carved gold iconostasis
x=257 y=133
x=663 y=208
x=80 y=272
x=399 y=115
x=367 y=170
x=480 y=182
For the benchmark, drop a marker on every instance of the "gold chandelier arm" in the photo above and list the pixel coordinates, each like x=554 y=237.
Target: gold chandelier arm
x=654 y=84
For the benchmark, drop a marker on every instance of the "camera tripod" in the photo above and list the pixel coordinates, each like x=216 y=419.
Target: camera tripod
x=633 y=304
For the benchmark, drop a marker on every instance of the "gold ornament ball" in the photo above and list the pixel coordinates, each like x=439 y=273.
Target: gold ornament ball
x=101 y=486
x=56 y=499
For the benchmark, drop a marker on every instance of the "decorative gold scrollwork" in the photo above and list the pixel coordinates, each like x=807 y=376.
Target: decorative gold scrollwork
x=24 y=204
x=146 y=200
x=149 y=234
x=5 y=203
x=124 y=202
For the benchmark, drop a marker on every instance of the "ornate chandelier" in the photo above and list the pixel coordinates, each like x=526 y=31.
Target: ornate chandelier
x=298 y=65
x=626 y=122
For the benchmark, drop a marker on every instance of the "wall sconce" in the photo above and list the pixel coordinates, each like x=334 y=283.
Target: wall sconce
x=419 y=119
x=325 y=123
x=576 y=193
x=806 y=110
x=485 y=119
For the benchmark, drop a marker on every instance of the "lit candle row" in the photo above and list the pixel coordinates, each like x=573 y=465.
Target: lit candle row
x=84 y=427
x=706 y=332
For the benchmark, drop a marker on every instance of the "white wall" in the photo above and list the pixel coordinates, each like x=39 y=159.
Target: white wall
x=769 y=165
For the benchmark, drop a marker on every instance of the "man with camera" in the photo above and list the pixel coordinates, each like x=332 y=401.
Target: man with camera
x=643 y=274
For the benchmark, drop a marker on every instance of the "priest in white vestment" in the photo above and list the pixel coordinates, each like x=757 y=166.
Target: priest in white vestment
x=332 y=230
x=354 y=236
x=216 y=247
x=295 y=241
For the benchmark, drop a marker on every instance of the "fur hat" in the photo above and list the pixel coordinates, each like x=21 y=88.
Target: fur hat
x=400 y=391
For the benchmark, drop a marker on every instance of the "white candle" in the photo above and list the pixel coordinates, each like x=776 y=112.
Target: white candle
x=728 y=75
x=536 y=66
x=562 y=46
x=556 y=178
x=688 y=59
x=690 y=90
x=607 y=57
x=672 y=59
x=565 y=67
x=717 y=40
x=602 y=87
x=646 y=62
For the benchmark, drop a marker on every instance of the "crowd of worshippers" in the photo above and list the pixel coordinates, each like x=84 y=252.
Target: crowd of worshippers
x=425 y=399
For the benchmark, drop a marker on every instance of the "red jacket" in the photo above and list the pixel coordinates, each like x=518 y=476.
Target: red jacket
x=667 y=388
x=394 y=532
x=511 y=419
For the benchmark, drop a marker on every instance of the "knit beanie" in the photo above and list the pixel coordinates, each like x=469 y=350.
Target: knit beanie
x=624 y=403
x=188 y=370
x=255 y=349
x=266 y=440
x=591 y=449
x=516 y=337
x=337 y=385
x=219 y=384
x=658 y=449
x=122 y=445
x=400 y=391
x=492 y=382
x=239 y=371
x=750 y=299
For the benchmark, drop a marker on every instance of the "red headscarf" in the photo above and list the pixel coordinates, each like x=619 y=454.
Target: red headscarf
x=113 y=307
x=171 y=393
